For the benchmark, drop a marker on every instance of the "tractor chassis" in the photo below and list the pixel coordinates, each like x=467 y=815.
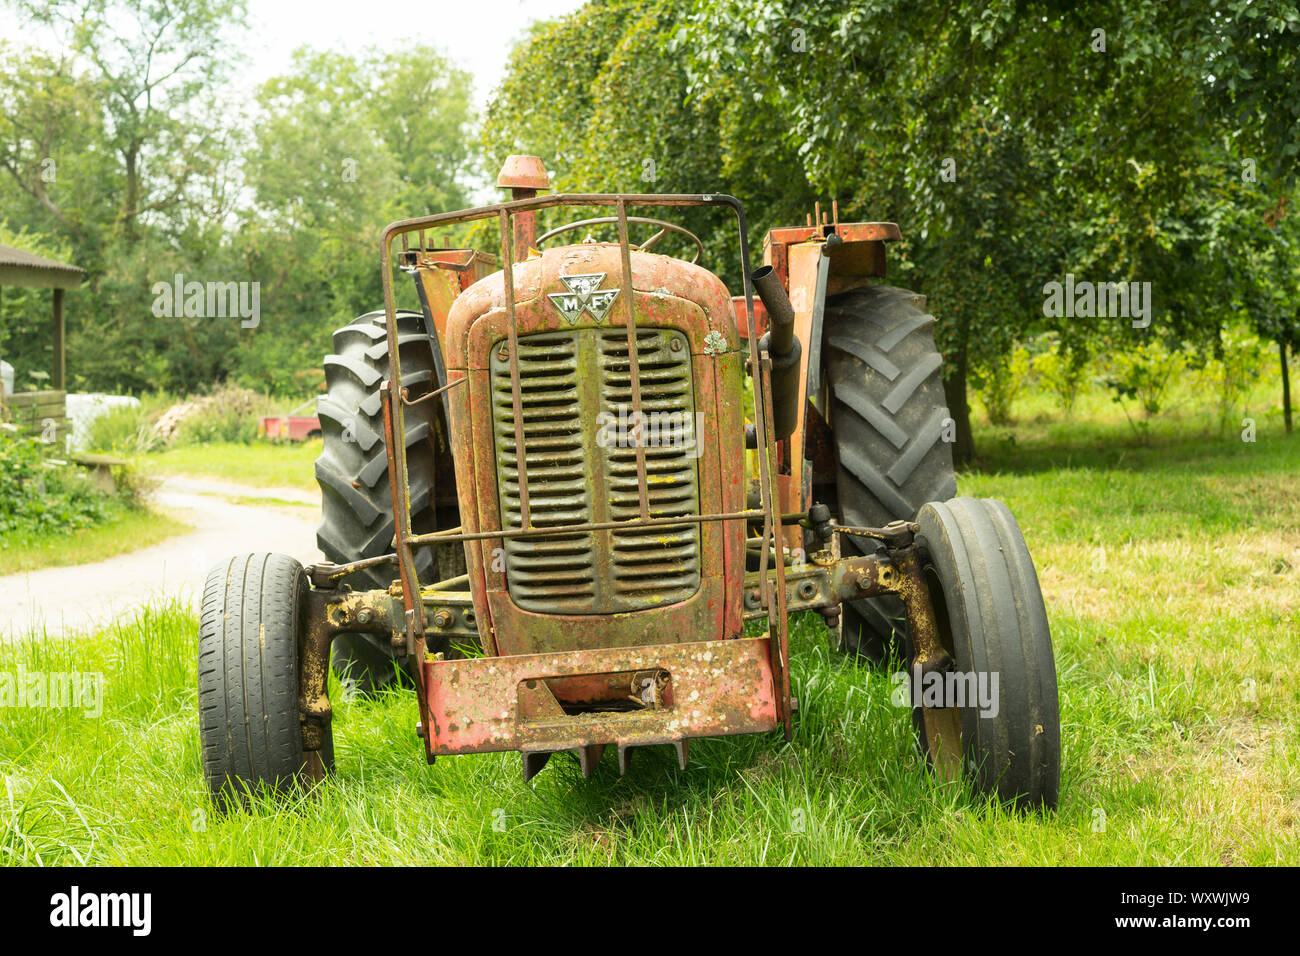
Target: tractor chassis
x=645 y=691
x=703 y=688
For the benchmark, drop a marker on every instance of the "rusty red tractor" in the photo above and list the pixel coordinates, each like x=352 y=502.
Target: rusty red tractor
x=545 y=511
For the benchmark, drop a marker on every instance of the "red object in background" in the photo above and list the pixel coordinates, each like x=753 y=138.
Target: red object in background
x=288 y=427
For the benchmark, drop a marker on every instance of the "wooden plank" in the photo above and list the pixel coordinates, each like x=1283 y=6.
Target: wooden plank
x=58 y=379
x=36 y=398
x=30 y=411
x=51 y=405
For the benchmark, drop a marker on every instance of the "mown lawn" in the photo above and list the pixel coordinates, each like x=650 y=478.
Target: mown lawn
x=261 y=464
x=125 y=529
x=1171 y=568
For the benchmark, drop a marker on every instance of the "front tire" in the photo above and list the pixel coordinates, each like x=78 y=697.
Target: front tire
x=993 y=625
x=250 y=730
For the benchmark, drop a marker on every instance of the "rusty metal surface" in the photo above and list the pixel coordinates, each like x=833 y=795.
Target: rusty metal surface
x=524 y=176
x=903 y=574
x=400 y=490
x=807 y=588
x=327 y=613
x=745 y=685
x=523 y=172
x=670 y=297
x=742 y=320
x=570 y=380
x=664 y=227
x=714 y=689
x=512 y=333
x=942 y=726
x=439 y=537
x=634 y=362
x=778 y=618
x=847 y=231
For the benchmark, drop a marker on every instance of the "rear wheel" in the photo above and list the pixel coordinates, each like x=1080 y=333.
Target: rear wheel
x=992 y=623
x=887 y=413
x=352 y=471
x=249 y=725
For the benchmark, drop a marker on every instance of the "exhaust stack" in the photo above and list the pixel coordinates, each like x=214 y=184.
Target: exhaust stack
x=783 y=347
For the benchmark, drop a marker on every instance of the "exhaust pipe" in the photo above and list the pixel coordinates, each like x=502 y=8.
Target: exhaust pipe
x=783 y=347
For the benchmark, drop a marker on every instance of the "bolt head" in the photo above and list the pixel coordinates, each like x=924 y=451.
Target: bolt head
x=364 y=615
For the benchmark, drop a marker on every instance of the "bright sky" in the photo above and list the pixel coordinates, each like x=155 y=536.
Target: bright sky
x=476 y=33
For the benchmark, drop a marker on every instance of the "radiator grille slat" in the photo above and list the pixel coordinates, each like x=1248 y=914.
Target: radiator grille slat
x=567 y=380
x=654 y=566
x=558 y=570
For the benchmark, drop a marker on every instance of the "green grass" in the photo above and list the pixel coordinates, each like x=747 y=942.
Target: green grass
x=1170 y=563
x=261 y=464
x=125 y=530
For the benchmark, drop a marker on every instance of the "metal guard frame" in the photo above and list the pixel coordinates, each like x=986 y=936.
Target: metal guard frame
x=760 y=373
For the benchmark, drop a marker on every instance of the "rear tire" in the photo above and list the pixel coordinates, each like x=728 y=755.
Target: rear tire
x=352 y=471
x=249 y=726
x=886 y=413
x=992 y=622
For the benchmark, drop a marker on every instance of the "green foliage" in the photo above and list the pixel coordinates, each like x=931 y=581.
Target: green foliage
x=344 y=146
x=1115 y=162
x=123 y=431
x=1001 y=381
x=38 y=493
x=229 y=414
x=619 y=116
x=1229 y=373
x=1143 y=374
x=1062 y=371
x=1150 y=691
x=129 y=156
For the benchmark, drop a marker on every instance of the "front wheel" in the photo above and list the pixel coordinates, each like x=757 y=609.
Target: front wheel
x=249 y=725
x=998 y=717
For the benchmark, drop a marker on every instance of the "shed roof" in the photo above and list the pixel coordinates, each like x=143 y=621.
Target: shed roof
x=20 y=267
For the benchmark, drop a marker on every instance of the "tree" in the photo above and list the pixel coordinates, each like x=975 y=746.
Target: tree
x=1004 y=175
x=118 y=146
x=341 y=147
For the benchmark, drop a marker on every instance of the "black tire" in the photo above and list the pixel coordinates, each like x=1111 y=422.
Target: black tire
x=352 y=471
x=886 y=412
x=250 y=731
x=992 y=622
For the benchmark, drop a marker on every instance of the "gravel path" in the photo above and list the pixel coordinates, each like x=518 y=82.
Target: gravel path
x=69 y=600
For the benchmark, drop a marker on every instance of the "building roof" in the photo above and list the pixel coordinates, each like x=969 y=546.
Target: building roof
x=19 y=267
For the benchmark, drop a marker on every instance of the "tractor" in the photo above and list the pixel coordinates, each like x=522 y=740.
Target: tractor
x=572 y=501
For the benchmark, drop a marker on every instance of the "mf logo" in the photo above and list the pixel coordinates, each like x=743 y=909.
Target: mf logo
x=584 y=295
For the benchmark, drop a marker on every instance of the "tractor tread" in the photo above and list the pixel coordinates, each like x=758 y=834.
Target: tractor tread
x=887 y=414
x=352 y=471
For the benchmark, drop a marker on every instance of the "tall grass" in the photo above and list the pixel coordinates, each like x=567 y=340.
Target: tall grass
x=1170 y=564
x=1172 y=583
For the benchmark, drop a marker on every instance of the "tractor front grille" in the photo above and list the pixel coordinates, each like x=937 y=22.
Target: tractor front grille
x=567 y=379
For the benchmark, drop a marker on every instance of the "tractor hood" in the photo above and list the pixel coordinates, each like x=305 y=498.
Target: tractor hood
x=618 y=583
x=575 y=287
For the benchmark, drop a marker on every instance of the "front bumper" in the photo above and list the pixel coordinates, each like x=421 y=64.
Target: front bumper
x=701 y=689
